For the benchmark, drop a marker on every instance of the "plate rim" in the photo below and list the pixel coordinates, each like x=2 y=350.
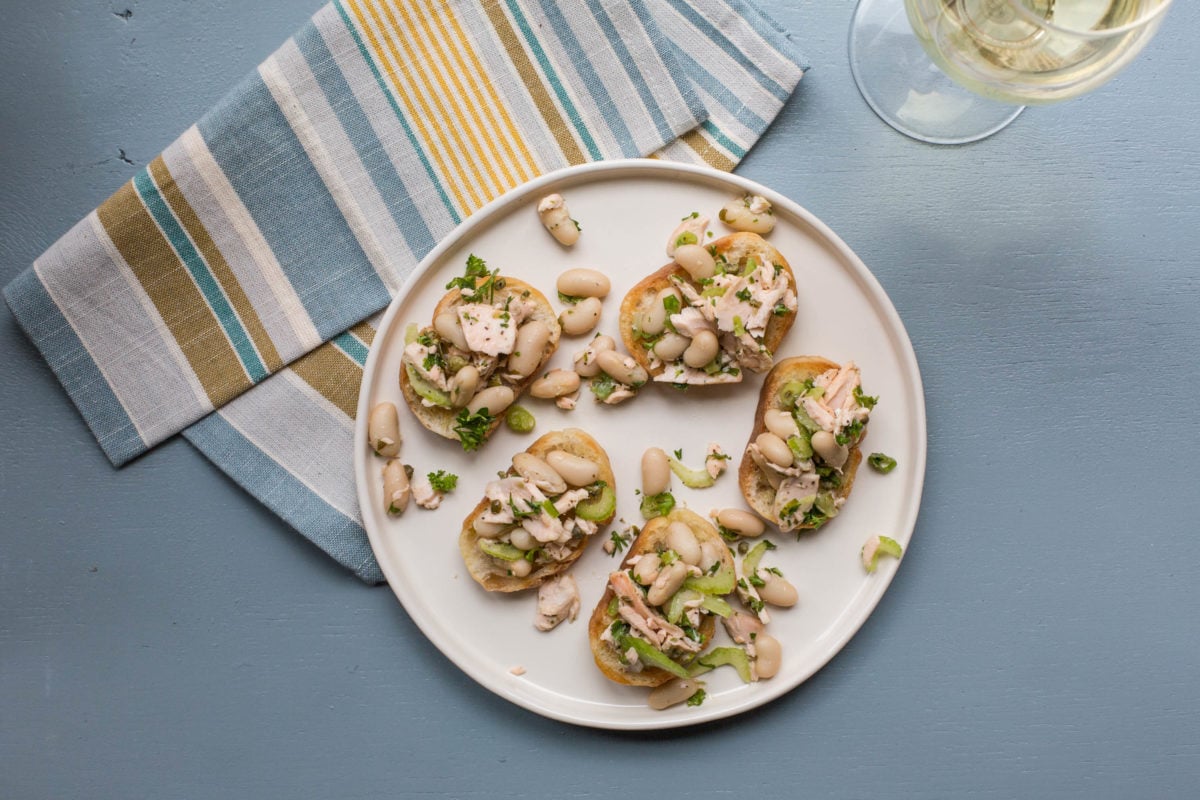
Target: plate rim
x=607 y=169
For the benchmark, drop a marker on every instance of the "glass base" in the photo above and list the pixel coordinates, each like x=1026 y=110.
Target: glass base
x=907 y=90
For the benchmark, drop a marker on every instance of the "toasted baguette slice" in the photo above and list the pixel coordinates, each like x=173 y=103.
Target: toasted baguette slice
x=652 y=538
x=479 y=564
x=735 y=248
x=441 y=420
x=755 y=488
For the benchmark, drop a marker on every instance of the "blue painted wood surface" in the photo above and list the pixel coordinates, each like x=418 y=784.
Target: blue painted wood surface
x=162 y=635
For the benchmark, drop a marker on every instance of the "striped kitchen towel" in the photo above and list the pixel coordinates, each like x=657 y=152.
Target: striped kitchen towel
x=229 y=287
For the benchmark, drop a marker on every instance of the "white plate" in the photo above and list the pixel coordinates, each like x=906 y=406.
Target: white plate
x=627 y=209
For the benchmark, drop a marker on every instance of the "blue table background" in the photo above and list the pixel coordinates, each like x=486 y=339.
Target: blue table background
x=162 y=635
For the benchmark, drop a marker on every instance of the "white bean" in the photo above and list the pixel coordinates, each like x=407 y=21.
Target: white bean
x=669 y=579
x=695 y=225
x=584 y=283
x=781 y=423
x=532 y=338
x=774 y=449
x=702 y=350
x=623 y=369
x=740 y=522
x=710 y=553
x=519 y=568
x=383 y=430
x=646 y=569
x=396 y=491
x=463 y=386
x=672 y=693
x=522 y=539
x=769 y=656
x=681 y=539
x=696 y=260
x=582 y=317
x=552 y=211
x=653 y=320
x=585 y=360
x=494 y=398
x=752 y=214
x=575 y=470
x=449 y=328
x=671 y=346
x=488 y=530
x=825 y=445
x=777 y=591
x=555 y=383
x=541 y=474
x=656 y=472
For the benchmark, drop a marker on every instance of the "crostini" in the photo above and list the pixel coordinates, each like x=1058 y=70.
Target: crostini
x=490 y=337
x=659 y=609
x=799 y=465
x=717 y=310
x=537 y=519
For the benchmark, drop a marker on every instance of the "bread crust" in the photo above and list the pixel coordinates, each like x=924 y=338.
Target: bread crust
x=735 y=247
x=574 y=441
x=441 y=420
x=654 y=533
x=759 y=494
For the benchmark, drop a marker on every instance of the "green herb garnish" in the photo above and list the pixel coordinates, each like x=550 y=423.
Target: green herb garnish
x=657 y=505
x=697 y=698
x=443 y=481
x=472 y=429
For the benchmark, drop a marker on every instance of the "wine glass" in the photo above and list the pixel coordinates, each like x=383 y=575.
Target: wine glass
x=955 y=71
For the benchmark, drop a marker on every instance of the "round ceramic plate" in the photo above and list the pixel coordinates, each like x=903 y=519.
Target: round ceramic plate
x=627 y=210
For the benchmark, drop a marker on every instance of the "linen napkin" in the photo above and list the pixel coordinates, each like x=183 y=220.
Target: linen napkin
x=227 y=291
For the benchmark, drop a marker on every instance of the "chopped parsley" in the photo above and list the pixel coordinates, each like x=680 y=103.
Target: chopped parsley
x=620 y=542
x=443 y=481
x=671 y=304
x=657 y=505
x=693 y=215
x=477 y=284
x=864 y=400
x=568 y=299
x=472 y=429
x=679 y=454
x=881 y=462
x=743 y=295
x=780 y=310
x=851 y=432
x=603 y=386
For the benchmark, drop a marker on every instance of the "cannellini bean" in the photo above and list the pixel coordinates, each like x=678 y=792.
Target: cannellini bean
x=449 y=328
x=575 y=470
x=653 y=320
x=702 y=350
x=383 y=430
x=681 y=539
x=646 y=569
x=494 y=398
x=751 y=213
x=656 y=471
x=519 y=568
x=532 y=338
x=584 y=283
x=695 y=225
x=522 y=539
x=740 y=522
x=774 y=449
x=463 y=386
x=536 y=470
x=488 y=530
x=696 y=260
x=555 y=383
x=669 y=579
x=769 y=656
x=825 y=445
x=585 y=360
x=552 y=211
x=776 y=590
x=396 y=491
x=781 y=423
x=710 y=553
x=623 y=369
x=582 y=317
x=672 y=693
x=671 y=346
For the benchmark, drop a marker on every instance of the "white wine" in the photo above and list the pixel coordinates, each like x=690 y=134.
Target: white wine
x=1033 y=51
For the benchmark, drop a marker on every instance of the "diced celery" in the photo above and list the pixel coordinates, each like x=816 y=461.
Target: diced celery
x=599 y=507
x=427 y=390
x=692 y=478
x=651 y=656
x=732 y=656
x=719 y=584
x=501 y=550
